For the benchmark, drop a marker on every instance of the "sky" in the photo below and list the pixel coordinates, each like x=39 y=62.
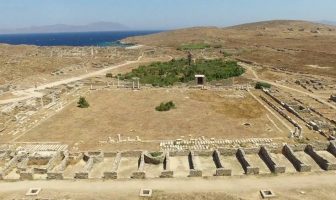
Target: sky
x=160 y=14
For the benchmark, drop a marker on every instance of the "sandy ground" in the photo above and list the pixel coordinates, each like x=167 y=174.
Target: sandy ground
x=206 y=164
x=282 y=161
x=231 y=162
x=180 y=166
x=219 y=114
x=127 y=166
x=99 y=168
x=305 y=158
x=284 y=186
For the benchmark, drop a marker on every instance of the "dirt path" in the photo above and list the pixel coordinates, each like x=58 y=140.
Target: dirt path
x=272 y=112
x=235 y=185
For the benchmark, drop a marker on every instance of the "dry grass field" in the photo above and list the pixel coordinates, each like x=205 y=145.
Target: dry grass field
x=220 y=114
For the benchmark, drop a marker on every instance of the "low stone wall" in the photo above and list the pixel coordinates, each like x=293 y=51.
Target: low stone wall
x=203 y=153
x=74 y=158
x=131 y=153
x=298 y=147
x=55 y=176
x=245 y=164
x=227 y=151
x=254 y=150
x=26 y=175
x=299 y=165
x=167 y=173
x=220 y=170
x=55 y=160
x=81 y=175
x=332 y=148
x=113 y=174
x=64 y=162
x=322 y=162
x=9 y=166
x=110 y=154
x=140 y=174
x=179 y=153
x=320 y=146
x=194 y=169
x=149 y=159
x=266 y=157
x=84 y=174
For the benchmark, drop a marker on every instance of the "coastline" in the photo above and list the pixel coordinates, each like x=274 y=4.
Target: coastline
x=80 y=39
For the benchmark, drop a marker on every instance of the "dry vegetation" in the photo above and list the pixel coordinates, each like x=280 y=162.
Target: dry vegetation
x=218 y=114
x=283 y=44
x=23 y=63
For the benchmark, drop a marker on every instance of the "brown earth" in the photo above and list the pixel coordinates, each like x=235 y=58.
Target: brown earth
x=291 y=45
x=220 y=114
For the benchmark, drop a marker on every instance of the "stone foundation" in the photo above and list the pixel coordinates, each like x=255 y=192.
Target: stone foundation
x=332 y=149
x=220 y=171
x=81 y=175
x=167 y=173
x=245 y=164
x=140 y=174
x=299 y=165
x=55 y=176
x=26 y=175
x=110 y=175
x=266 y=157
x=322 y=162
x=194 y=169
x=149 y=159
x=113 y=174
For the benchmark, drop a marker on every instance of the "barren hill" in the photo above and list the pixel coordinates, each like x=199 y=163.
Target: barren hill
x=300 y=46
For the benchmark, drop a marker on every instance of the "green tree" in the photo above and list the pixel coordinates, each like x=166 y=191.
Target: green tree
x=82 y=103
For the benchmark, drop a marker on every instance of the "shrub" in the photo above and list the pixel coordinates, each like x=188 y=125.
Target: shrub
x=168 y=73
x=193 y=46
x=165 y=106
x=260 y=85
x=109 y=75
x=156 y=154
x=82 y=103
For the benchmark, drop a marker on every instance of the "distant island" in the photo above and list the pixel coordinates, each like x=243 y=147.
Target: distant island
x=63 y=28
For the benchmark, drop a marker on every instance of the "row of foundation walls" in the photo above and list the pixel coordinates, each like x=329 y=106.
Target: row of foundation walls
x=141 y=165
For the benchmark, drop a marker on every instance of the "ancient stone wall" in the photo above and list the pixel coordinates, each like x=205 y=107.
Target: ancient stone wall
x=140 y=174
x=167 y=173
x=203 y=153
x=55 y=176
x=149 y=159
x=131 y=153
x=322 y=162
x=299 y=165
x=332 y=148
x=179 y=153
x=227 y=151
x=266 y=157
x=9 y=166
x=194 y=169
x=113 y=174
x=245 y=164
x=26 y=175
x=84 y=174
x=220 y=170
x=110 y=154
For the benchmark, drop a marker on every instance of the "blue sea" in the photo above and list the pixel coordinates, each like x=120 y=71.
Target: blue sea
x=72 y=39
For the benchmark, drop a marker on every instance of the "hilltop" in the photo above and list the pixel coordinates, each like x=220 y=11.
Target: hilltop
x=293 y=45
